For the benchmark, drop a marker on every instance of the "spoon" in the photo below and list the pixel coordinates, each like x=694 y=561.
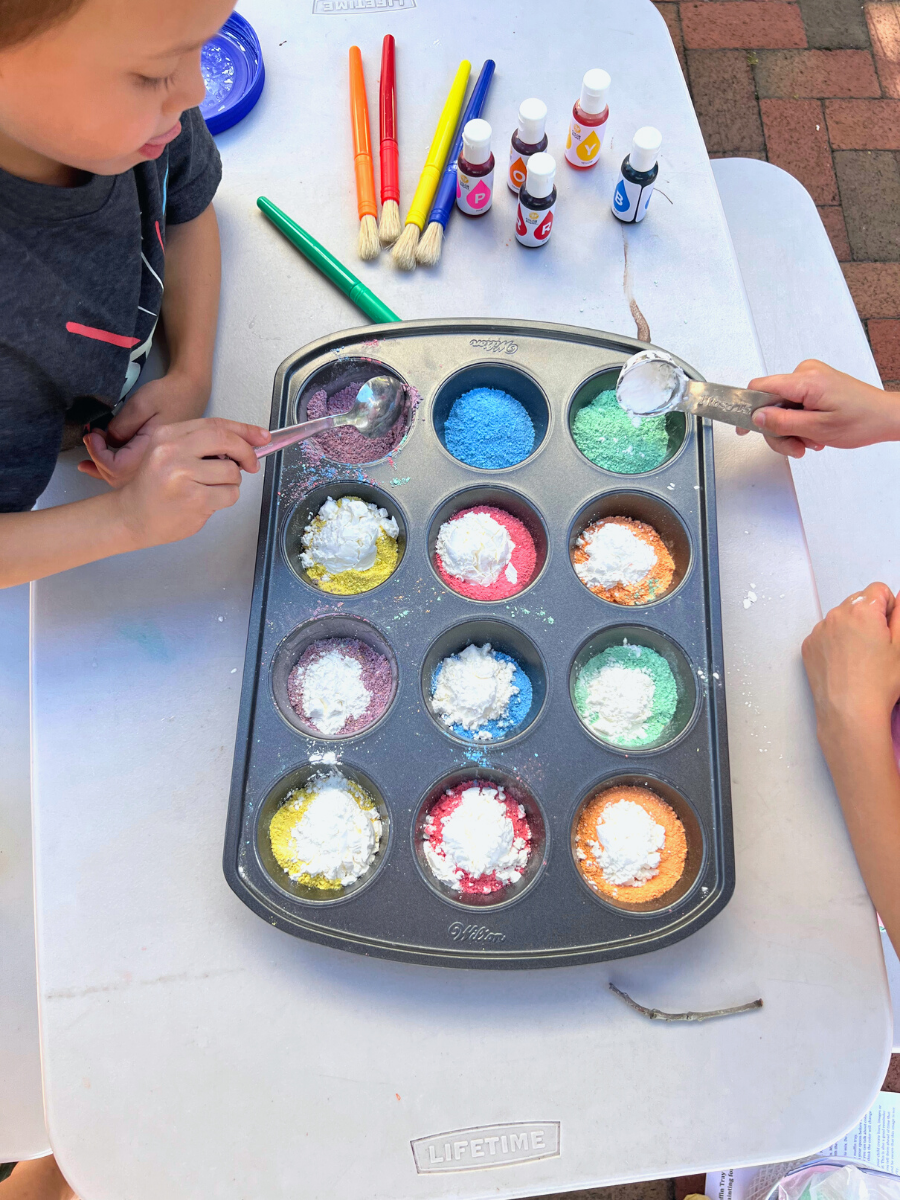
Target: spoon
x=651 y=383
x=375 y=411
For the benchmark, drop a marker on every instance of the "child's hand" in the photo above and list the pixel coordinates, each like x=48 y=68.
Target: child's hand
x=187 y=472
x=852 y=659
x=838 y=410
x=116 y=453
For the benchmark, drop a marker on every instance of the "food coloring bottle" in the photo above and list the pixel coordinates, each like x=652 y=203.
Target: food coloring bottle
x=637 y=176
x=588 y=124
x=475 y=169
x=529 y=138
x=537 y=201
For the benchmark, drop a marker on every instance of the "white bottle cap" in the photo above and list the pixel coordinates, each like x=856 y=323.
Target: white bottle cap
x=594 y=87
x=476 y=141
x=532 y=118
x=540 y=173
x=645 y=149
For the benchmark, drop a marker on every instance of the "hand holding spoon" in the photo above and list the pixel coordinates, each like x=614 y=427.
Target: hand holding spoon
x=375 y=411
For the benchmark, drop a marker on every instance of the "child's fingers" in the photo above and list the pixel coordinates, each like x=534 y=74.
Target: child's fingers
x=794 y=387
x=255 y=435
x=123 y=427
x=99 y=450
x=218 y=439
x=216 y=471
x=89 y=468
x=789 y=422
x=787 y=446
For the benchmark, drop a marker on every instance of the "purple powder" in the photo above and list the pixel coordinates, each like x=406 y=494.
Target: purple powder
x=376 y=678
x=346 y=444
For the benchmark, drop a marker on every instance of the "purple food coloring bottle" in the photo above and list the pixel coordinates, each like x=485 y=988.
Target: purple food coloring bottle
x=475 y=170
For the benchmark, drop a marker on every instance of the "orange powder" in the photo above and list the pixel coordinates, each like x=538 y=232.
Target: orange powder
x=655 y=583
x=672 y=855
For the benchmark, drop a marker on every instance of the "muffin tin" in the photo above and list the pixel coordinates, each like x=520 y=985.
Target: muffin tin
x=407 y=759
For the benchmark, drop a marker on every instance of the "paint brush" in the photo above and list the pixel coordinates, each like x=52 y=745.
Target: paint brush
x=389 y=229
x=332 y=268
x=428 y=251
x=404 y=251
x=369 y=246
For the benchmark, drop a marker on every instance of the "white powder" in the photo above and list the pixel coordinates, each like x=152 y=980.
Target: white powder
x=628 y=844
x=472 y=688
x=650 y=387
x=475 y=548
x=335 y=837
x=615 y=555
x=333 y=691
x=478 y=838
x=344 y=536
x=620 y=701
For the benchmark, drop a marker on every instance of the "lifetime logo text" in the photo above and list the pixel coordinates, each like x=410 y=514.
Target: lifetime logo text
x=486 y=1146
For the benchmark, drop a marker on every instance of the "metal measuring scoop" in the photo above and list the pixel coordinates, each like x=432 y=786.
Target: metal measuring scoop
x=375 y=411
x=651 y=383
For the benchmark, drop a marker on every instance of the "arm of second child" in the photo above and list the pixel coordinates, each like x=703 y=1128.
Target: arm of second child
x=189 y=312
x=838 y=410
x=852 y=659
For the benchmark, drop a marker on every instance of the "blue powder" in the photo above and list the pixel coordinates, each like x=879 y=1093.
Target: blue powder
x=515 y=713
x=490 y=429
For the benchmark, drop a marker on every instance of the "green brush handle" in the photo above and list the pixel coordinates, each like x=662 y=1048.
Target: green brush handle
x=364 y=299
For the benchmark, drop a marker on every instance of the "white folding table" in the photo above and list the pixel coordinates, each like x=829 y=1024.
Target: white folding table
x=190 y=1049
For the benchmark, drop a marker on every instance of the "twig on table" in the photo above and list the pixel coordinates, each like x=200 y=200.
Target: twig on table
x=656 y=1014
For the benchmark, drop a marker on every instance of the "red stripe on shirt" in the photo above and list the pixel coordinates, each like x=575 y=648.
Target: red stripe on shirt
x=159 y=235
x=102 y=335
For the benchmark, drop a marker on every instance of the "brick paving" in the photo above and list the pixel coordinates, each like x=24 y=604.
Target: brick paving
x=814 y=87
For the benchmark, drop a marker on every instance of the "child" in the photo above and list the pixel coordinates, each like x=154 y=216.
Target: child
x=107 y=173
x=852 y=658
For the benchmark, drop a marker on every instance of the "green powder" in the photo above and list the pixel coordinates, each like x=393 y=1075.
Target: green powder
x=639 y=658
x=605 y=434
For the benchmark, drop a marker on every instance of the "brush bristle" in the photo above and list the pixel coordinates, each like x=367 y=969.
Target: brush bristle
x=390 y=228
x=404 y=250
x=369 y=246
x=428 y=251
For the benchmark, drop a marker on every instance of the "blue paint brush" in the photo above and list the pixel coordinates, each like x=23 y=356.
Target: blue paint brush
x=428 y=251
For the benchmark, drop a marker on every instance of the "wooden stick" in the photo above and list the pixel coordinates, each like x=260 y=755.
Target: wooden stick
x=656 y=1014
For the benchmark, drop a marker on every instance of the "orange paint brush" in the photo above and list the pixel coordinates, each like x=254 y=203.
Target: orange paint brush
x=369 y=243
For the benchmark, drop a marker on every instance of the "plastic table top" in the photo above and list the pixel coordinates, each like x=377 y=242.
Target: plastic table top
x=191 y=1049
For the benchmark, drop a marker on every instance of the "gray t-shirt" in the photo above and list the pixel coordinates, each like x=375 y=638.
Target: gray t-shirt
x=82 y=271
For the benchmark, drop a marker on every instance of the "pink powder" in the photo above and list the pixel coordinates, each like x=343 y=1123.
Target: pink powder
x=524 y=559
x=483 y=884
x=376 y=678
x=347 y=444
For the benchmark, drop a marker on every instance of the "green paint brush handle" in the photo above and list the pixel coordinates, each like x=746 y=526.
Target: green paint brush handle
x=364 y=299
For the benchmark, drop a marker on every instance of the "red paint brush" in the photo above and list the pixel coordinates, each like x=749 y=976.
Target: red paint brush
x=390 y=228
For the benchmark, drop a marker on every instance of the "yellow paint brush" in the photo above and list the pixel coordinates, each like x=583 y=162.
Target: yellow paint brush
x=404 y=251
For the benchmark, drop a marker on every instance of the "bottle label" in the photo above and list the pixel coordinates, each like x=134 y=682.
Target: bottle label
x=518 y=165
x=532 y=226
x=630 y=200
x=474 y=193
x=583 y=143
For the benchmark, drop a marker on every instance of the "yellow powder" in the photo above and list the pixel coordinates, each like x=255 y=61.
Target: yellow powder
x=288 y=817
x=351 y=583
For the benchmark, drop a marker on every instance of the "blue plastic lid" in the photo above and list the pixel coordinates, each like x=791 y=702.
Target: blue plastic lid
x=234 y=74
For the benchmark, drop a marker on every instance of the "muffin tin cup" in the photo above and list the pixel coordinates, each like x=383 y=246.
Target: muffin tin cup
x=653 y=511
x=277 y=795
x=298 y=642
x=515 y=504
x=677 y=423
x=306 y=510
x=333 y=377
x=504 y=377
x=537 y=859
x=507 y=639
x=695 y=859
x=687 y=707
x=407 y=759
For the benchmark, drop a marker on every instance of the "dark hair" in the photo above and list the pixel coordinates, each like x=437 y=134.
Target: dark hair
x=23 y=19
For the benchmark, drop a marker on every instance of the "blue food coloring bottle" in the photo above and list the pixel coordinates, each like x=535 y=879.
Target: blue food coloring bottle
x=637 y=176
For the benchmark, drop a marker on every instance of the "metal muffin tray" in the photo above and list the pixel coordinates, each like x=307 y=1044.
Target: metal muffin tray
x=552 y=763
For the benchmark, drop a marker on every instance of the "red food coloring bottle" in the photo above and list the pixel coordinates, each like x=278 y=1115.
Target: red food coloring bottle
x=537 y=201
x=475 y=170
x=588 y=124
x=529 y=138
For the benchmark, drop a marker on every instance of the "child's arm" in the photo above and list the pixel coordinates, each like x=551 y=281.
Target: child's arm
x=187 y=473
x=838 y=410
x=189 y=312
x=852 y=659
